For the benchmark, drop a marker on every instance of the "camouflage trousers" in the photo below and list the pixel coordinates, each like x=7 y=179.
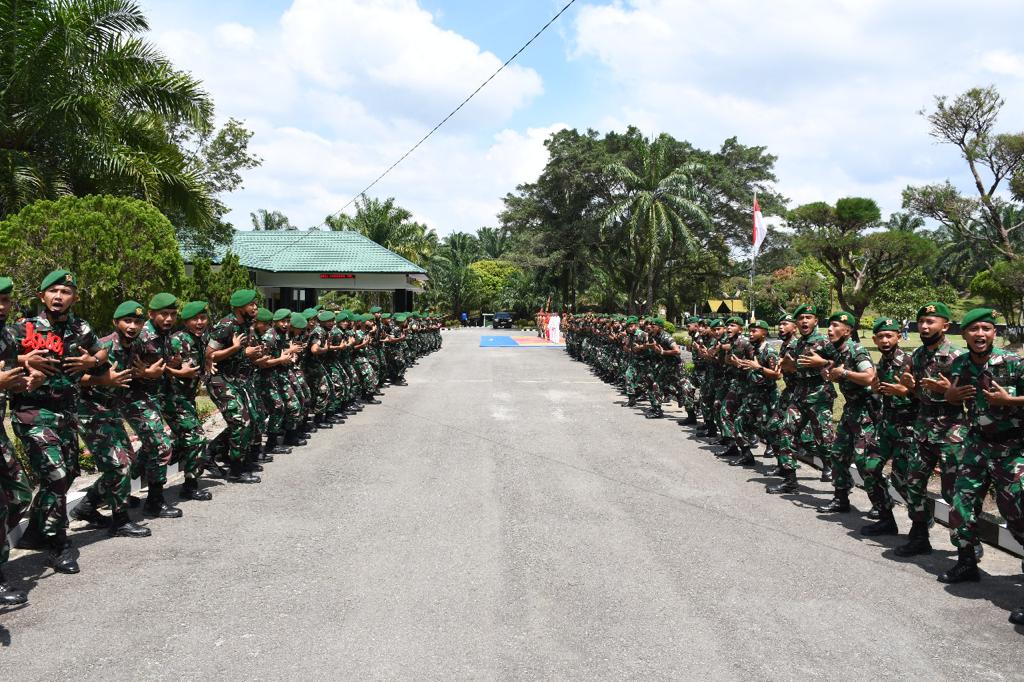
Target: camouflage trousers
x=718 y=403
x=938 y=441
x=895 y=444
x=269 y=391
x=51 y=443
x=755 y=413
x=707 y=397
x=367 y=376
x=188 y=439
x=806 y=408
x=354 y=388
x=987 y=464
x=104 y=434
x=396 y=363
x=286 y=385
x=339 y=386
x=854 y=441
x=15 y=492
x=320 y=388
x=235 y=407
x=729 y=413
x=297 y=379
x=157 y=441
x=777 y=417
x=669 y=378
x=380 y=365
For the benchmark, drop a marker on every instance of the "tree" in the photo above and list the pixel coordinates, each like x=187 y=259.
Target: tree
x=215 y=286
x=903 y=296
x=119 y=249
x=390 y=225
x=494 y=242
x=1003 y=286
x=86 y=107
x=654 y=209
x=859 y=261
x=494 y=276
x=453 y=283
x=266 y=221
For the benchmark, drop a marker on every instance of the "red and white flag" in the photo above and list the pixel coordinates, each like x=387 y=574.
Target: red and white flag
x=760 y=229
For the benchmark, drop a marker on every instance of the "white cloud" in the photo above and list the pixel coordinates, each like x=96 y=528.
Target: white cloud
x=235 y=35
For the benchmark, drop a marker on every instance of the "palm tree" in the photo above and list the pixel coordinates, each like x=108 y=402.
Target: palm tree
x=266 y=221
x=654 y=209
x=389 y=225
x=87 y=106
x=904 y=222
x=494 y=242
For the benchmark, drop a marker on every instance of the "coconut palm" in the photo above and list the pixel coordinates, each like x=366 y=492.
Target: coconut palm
x=86 y=106
x=389 y=225
x=655 y=209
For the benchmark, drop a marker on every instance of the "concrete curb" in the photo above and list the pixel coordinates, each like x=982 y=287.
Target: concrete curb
x=211 y=427
x=992 y=532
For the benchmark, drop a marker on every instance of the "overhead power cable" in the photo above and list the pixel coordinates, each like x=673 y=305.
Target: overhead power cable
x=433 y=130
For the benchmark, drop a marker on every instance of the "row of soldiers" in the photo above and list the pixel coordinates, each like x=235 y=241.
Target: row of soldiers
x=935 y=407
x=276 y=377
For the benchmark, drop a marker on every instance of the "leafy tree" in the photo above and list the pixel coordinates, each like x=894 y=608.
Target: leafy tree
x=215 y=286
x=494 y=242
x=494 y=277
x=119 y=248
x=341 y=300
x=859 y=261
x=1003 y=286
x=266 y=221
x=901 y=297
x=86 y=107
x=453 y=283
x=390 y=225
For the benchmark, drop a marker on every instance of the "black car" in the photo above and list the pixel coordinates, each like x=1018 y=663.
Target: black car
x=502 y=320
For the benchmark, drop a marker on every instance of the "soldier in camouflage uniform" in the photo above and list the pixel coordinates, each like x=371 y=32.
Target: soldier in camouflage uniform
x=63 y=347
x=316 y=374
x=375 y=350
x=939 y=429
x=894 y=430
x=854 y=371
x=991 y=383
x=298 y=335
x=736 y=350
x=788 y=335
x=268 y=386
x=708 y=350
x=190 y=443
x=812 y=397
x=100 y=417
x=689 y=381
x=362 y=356
x=232 y=349
x=634 y=342
x=664 y=364
x=761 y=394
x=394 y=350
x=15 y=488
x=287 y=381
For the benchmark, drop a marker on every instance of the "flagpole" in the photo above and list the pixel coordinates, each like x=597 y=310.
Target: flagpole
x=753 y=265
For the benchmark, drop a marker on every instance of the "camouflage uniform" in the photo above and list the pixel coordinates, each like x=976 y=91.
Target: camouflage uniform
x=810 y=404
x=15 y=488
x=777 y=415
x=268 y=386
x=734 y=390
x=938 y=431
x=179 y=405
x=895 y=434
x=316 y=374
x=855 y=435
x=227 y=388
x=993 y=452
x=761 y=396
x=46 y=420
x=142 y=409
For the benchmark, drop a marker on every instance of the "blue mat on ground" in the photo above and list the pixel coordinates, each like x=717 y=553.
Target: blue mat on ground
x=517 y=342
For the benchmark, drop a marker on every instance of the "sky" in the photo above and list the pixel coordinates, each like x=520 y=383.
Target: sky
x=337 y=90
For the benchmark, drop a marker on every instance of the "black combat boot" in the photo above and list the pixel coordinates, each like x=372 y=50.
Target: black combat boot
x=190 y=490
x=732 y=451
x=655 y=412
x=60 y=556
x=917 y=541
x=788 y=484
x=965 y=569
x=336 y=418
x=631 y=401
x=369 y=399
x=874 y=513
x=746 y=458
x=775 y=471
x=322 y=422
x=840 y=503
x=32 y=538
x=826 y=474
x=690 y=420
x=86 y=510
x=260 y=454
x=294 y=439
x=237 y=473
x=1017 y=617
x=276 y=445
x=122 y=526
x=157 y=506
x=10 y=596
x=769 y=452
x=885 y=525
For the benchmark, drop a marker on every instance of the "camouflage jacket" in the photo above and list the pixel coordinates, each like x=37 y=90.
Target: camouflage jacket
x=121 y=353
x=67 y=338
x=897 y=409
x=192 y=352
x=993 y=424
x=237 y=367
x=928 y=363
x=152 y=346
x=740 y=348
x=768 y=357
x=853 y=357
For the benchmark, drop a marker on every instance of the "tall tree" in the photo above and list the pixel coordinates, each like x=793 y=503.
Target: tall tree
x=87 y=106
x=269 y=221
x=494 y=242
x=390 y=225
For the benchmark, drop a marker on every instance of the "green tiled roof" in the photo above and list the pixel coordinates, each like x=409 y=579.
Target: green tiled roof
x=314 y=251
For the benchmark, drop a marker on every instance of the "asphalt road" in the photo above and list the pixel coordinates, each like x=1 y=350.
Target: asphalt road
x=505 y=517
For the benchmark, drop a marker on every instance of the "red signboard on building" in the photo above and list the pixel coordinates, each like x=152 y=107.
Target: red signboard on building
x=335 y=275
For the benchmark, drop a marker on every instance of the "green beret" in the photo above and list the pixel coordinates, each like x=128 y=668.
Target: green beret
x=162 y=301
x=242 y=298
x=6 y=285
x=190 y=310
x=735 y=320
x=325 y=316
x=386 y=316
x=805 y=309
x=885 y=324
x=128 y=309
x=846 y=318
x=264 y=315
x=935 y=308
x=281 y=313
x=717 y=322
x=760 y=324
x=58 y=277
x=978 y=315
x=299 y=321
x=788 y=317
x=632 y=319
x=343 y=316
x=318 y=307
x=692 y=320
x=375 y=309
x=401 y=317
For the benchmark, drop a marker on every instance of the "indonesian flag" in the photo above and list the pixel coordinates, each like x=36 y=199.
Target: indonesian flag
x=760 y=229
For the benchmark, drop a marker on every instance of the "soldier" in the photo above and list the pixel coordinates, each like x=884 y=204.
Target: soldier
x=991 y=383
x=287 y=381
x=854 y=371
x=762 y=391
x=148 y=391
x=63 y=347
x=190 y=443
x=394 y=347
x=15 y=488
x=375 y=350
x=894 y=430
x=316 y=373
x=939 y=429
x=788 y=335
x=268 y=388
x=689 y=381
x=708 y=351
x=812 y=397
x=231 y=349
x=632 y=339
x=736 y=351
x=100 y=416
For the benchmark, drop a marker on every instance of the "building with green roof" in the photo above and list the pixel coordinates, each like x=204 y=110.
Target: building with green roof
x=291 y=267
